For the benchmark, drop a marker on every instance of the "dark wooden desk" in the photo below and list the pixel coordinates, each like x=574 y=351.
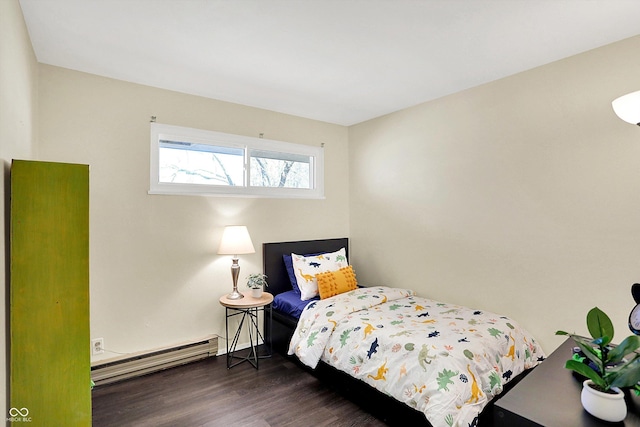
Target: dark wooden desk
x=550 y=396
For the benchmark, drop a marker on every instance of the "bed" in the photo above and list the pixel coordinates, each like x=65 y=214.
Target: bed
x=404 y=357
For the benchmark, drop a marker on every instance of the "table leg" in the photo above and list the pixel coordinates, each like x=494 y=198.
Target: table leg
x=251 y=316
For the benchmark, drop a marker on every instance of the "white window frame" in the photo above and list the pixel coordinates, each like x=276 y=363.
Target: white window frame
x=247 y=143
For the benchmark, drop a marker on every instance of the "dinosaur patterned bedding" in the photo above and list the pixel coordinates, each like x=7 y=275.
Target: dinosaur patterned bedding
x=444 y=360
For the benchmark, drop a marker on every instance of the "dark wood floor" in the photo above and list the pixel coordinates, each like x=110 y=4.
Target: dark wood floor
x=281 y=393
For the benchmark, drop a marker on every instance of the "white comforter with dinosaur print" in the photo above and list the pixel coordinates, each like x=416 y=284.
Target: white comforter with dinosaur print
x=444 y=360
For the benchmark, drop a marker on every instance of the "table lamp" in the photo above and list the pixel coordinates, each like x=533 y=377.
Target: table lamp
x=235 y=241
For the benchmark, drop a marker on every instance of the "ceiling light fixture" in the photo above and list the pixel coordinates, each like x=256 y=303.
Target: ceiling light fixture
x=627 y=107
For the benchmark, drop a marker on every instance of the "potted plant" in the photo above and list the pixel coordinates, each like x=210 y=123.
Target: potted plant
x=257 y=282
x=609 y=368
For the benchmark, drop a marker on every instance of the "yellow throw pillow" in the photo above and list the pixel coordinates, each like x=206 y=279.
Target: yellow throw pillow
x=336 y=282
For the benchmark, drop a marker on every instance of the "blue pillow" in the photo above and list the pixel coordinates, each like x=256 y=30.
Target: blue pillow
x=288 y=263
x=289 y=302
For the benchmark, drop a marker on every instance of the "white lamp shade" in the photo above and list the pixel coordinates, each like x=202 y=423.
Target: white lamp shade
x=235 y=241
x=627 y=107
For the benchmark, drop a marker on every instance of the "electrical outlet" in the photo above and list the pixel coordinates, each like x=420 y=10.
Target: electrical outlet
x=97 y=346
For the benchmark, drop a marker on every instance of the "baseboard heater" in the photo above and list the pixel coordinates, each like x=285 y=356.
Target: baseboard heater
x=109 y=371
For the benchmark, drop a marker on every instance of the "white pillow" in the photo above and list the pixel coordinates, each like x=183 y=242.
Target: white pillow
x=306 y=268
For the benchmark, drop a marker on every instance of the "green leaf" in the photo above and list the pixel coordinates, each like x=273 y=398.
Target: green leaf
x=626 y=376
x=630 y=344
x=586 y=371
x=587 y=348
x=620 y=364
x=600 y=341
x=448 y=419
x=600 y=326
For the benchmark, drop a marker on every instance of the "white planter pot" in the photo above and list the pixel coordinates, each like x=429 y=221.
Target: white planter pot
x=606 y=406
x=256 y=293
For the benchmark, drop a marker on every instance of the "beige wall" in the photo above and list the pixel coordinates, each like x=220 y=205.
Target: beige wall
x=18 y=94
x=520 y=197
x=155 y=275
x=18 y=99
x=511 y=197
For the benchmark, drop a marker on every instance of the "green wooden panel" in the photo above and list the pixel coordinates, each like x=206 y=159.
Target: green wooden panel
x=49 y=314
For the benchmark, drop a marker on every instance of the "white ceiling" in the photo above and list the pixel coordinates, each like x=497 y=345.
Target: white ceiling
x=339 y=61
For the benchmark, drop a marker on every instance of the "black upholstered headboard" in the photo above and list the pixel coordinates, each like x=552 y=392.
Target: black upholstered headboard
x=273 y=264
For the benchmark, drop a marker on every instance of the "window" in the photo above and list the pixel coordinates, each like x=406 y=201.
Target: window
x=192 y=161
